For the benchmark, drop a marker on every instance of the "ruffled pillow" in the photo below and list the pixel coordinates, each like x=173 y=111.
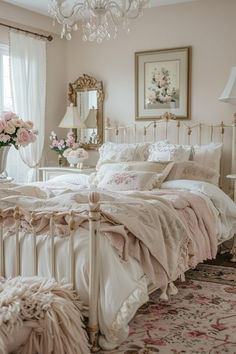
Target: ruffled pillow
x=129 y=180
x=161 y=151
x=111 y=152
x=191 y=170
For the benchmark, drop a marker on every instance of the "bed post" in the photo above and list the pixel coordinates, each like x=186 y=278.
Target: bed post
x=94 y=264
x=233 y=250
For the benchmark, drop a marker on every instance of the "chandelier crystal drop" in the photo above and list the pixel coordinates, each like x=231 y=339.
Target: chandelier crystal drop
x=99 y=19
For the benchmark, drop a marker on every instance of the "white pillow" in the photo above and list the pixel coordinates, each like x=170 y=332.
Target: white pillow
x=111 y=152
x=71 y=178
x=129 y=180
x=162 y=151
x=208 y=155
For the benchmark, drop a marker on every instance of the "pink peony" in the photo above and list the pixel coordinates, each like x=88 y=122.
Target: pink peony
x=17 y=122
x=23 y=137
x=2 y=125
x=10 y=128
x=28 y=125
x=9 y=115
x=4 y=138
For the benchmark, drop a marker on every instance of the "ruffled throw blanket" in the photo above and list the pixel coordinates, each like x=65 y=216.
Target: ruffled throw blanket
x=46 y=311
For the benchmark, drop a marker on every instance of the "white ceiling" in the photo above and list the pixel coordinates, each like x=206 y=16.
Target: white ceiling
x=41 y=6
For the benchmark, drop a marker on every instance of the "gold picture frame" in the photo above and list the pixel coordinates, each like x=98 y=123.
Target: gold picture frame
x=162 y=83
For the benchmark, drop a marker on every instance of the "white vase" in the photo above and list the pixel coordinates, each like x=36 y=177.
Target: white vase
x=3 y=158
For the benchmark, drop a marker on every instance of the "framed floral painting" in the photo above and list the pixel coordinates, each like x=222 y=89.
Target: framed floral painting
x=162 y=83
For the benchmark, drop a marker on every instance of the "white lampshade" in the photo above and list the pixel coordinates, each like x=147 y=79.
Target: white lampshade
x=72 y=119
x=229 y=93
x=91 y=120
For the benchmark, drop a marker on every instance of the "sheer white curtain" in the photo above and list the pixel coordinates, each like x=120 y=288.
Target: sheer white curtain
x=28 y=80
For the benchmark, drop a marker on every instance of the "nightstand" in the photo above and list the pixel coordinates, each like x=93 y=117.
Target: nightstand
x=233 y=177
x=50 y=172
x=6 y=180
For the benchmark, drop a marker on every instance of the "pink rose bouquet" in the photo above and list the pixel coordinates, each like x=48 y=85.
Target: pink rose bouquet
x=16 y=132
x=60 y=146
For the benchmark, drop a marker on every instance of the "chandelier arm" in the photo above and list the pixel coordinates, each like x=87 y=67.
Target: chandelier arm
x=73 y=12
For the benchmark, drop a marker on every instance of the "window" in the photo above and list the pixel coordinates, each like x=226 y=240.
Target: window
x=15 y=167
x=5 y=87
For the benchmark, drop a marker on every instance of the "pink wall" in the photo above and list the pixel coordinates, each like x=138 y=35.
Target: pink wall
x=207 y=25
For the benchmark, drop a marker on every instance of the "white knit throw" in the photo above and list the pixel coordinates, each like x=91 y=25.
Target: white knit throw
x=50 y=308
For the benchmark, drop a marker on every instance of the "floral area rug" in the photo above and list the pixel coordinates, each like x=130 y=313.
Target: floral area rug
x=200 y=319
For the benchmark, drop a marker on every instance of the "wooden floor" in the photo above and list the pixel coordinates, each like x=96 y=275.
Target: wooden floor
x=222 y=260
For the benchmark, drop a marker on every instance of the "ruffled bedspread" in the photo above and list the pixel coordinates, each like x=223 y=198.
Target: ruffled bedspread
x=166 y=231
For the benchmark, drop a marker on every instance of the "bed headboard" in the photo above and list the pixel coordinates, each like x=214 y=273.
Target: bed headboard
x=181 y=132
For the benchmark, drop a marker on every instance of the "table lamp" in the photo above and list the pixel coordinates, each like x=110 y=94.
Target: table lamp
x=72 y=120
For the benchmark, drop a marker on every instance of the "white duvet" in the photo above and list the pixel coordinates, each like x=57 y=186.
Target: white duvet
x=123 y=286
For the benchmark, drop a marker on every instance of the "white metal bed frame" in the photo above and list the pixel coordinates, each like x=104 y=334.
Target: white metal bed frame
x=94 y=217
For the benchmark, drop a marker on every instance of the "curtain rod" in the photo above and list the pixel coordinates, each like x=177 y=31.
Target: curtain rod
x=49 y=38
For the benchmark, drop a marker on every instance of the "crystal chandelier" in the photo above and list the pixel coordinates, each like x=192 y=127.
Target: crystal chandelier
x=99 y=19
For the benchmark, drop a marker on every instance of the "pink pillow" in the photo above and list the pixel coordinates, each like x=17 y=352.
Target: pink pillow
x=193 y=171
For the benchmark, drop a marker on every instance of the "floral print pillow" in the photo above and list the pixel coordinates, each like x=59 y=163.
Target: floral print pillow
x=129 y=180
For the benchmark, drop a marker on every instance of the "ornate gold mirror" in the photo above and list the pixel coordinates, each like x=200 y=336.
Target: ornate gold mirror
x=87 y=94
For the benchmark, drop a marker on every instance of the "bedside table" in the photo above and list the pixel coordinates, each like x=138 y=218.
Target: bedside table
x=50 y=172
x=233 y=177
x=6 y=180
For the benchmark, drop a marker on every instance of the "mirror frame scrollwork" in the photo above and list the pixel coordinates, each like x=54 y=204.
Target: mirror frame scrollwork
x=88 y=83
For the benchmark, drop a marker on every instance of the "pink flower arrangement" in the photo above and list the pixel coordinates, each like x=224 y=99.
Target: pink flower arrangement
x=80 y=153
x=16 y=132
x=60 y=146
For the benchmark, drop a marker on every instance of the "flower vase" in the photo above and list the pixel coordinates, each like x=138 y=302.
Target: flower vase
x=3 y=159
x=62 y=161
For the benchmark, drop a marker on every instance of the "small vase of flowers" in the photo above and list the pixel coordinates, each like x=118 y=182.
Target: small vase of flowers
x=14 y=131
x=67 y=149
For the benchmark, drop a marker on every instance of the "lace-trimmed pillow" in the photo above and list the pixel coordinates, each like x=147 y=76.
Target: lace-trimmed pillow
x=191 y=170
x=162 y=151
x=111 y=152
x=129 y=180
